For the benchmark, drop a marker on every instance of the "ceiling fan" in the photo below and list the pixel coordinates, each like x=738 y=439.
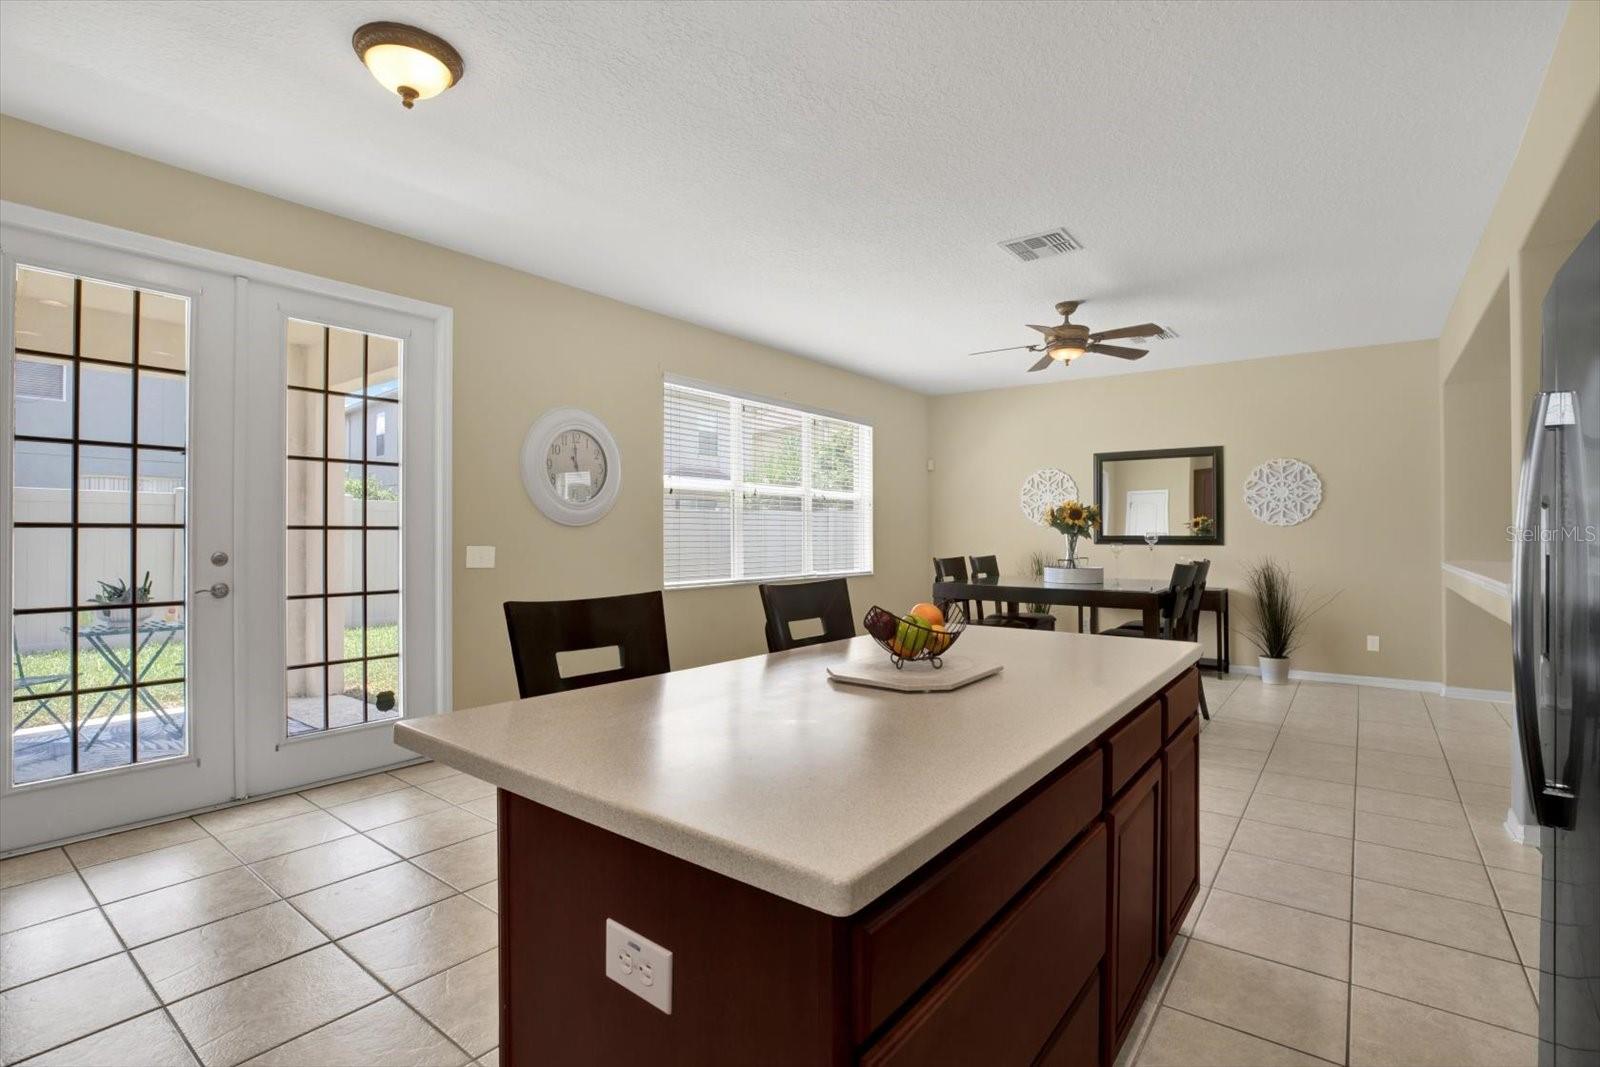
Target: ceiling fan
x=1068 y=341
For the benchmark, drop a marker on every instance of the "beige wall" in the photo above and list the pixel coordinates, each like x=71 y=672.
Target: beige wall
x=1489 y=347
x=1367 y=419
x=522 y=344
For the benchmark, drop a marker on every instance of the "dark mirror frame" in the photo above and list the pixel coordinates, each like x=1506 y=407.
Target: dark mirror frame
x=1102 y=458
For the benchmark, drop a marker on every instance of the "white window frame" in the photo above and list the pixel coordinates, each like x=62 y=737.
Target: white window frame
x=736 y=487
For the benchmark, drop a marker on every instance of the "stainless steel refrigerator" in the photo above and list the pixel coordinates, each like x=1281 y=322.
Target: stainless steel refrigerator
x=1556 y=652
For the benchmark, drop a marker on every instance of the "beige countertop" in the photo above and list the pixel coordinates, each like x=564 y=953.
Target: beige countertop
x=824 y=793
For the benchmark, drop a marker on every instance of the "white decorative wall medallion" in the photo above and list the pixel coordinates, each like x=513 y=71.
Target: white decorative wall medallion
x=1283 y=492
x=1046 y=488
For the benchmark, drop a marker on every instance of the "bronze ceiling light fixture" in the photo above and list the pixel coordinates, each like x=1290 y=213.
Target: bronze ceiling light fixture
x=412 y=63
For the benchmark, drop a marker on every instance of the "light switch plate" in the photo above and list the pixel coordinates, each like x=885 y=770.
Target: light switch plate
x=480 y=556
x=639 y=965
x=1372 y=642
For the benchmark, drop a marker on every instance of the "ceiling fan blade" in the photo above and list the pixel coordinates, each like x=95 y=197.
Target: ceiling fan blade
x=1048 y=331
x=1013 y=348
x=1118 y=351
x=1148 y=329
x=1044 y=361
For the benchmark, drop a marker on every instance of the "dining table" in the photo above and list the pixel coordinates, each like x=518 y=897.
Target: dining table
x=1148 y=596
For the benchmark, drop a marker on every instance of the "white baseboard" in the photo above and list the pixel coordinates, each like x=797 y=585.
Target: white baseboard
x=1415 y=685
x=1502 y=696
x=1523 y=833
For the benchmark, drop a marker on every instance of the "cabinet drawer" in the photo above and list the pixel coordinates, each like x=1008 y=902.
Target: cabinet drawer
x=1130 y=746
x=1004 y=998
x=1180 y=702
x=1076 y=1042
x=899 y=947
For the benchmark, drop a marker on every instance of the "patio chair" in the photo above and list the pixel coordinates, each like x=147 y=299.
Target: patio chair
x=45 y=686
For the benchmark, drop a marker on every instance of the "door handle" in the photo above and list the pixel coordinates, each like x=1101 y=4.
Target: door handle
x=1552 y=801
x=220 y=590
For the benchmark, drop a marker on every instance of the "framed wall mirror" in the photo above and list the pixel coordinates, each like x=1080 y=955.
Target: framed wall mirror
x=1172 y=494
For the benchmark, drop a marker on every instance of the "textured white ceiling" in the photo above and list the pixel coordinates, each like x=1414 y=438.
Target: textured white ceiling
x=832 y=178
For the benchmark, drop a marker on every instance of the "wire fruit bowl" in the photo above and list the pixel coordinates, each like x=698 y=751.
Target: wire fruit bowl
x=908 y=639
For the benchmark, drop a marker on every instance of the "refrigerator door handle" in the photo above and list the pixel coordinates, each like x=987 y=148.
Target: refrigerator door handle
x=1552 y=801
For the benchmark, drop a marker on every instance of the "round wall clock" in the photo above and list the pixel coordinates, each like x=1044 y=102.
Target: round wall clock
x=571 y=467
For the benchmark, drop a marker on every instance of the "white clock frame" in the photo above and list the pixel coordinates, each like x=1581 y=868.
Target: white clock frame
x=536 y=445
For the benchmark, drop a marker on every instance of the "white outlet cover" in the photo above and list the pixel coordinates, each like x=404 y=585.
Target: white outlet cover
x=639 y=965
x=1372 y=643
x=480 y=556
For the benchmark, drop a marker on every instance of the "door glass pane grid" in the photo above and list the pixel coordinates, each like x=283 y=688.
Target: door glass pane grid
x=342 y=511
x=98 y=542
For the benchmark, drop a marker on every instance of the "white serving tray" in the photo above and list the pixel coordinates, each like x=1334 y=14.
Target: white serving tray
x=919 y=677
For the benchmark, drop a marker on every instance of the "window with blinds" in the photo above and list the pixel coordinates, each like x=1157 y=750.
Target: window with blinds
x=753 y=491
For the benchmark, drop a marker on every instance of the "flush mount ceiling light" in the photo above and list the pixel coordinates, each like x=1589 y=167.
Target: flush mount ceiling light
x=410 y=62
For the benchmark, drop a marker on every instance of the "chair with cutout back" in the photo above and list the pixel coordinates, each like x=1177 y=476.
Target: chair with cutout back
x=635 y=624
x=827 y=600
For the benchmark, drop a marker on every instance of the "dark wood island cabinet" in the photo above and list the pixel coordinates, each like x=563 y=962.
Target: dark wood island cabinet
x=1032 y=938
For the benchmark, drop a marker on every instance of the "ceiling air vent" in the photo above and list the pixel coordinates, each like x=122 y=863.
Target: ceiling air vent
x=1164 y=335
x=1041 y=245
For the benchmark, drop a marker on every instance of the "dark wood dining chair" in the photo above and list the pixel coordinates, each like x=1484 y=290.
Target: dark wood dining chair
x=1182 y=574
x=1180 y=612
x=635 y=624
x=954 y=569
x=1011 y=614
x=827 y=601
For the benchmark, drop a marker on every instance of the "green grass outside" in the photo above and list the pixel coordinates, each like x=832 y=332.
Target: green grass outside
x=94 y=671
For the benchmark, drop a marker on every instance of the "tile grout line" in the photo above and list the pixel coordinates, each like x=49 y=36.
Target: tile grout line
x=1246 y=1033
x=163 y=1006
x=1495 y=892
x=383 y=986
x=1350 y=952
x=1167 y=989
x=1143 y=1036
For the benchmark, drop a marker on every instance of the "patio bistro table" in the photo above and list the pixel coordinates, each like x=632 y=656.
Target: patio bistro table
x=96 y=636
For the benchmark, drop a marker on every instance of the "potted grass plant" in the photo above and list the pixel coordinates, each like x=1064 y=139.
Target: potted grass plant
x=1282 y=612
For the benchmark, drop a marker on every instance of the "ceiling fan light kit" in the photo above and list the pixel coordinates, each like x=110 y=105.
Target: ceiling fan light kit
x=1068 y=341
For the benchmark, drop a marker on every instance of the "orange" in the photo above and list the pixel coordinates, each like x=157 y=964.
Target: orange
x=929 y=614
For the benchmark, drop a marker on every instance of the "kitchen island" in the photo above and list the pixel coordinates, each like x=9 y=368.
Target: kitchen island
x=844 y=874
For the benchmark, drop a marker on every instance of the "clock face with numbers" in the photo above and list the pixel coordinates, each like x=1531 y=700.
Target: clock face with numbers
x=575 y=463
x=571 y=467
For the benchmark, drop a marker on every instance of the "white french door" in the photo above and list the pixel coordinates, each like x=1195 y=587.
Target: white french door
x=226 y=527
x=340 y=532
x=117 y=425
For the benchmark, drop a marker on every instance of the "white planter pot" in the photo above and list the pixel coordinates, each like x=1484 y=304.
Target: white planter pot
x=1274 y=671
x=1074 y=575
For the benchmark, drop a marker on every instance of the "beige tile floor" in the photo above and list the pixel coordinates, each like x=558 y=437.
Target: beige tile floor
x=1360 y=905
x=351 y=924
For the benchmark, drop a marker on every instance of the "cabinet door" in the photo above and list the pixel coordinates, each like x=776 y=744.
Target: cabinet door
x=1001 y=1001
x=1180 y=763
x=1134 y=948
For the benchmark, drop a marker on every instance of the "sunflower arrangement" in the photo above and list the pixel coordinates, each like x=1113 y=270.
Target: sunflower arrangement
x=1202 y=526
x=1073 y=519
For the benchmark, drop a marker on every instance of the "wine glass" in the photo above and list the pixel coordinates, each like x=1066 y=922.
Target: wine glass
x=1150 y=538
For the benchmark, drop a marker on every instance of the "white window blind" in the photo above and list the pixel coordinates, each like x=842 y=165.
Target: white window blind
x=754 y=491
